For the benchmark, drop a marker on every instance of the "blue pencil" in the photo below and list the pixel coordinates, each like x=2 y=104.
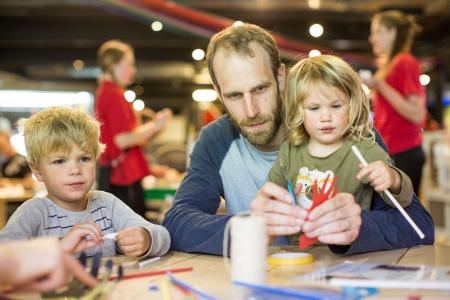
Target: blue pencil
x=289 y=184
x=305 y=293
x=189 y=287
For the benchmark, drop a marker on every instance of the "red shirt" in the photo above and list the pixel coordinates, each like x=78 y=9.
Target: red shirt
x=116 y=116
x=399 y=133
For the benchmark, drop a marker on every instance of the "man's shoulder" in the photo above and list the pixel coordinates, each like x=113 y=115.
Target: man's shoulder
x=214 y=142
x=221 y=128
x=219 y=134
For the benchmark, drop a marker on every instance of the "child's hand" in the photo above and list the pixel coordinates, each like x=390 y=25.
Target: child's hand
x=134 y=241
x=161 y=118
x=381 y=176
x=81 y=237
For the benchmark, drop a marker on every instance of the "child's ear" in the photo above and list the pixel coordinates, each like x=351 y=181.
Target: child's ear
x=36 y=172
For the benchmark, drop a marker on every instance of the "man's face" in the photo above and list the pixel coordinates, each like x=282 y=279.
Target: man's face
x=250 y=94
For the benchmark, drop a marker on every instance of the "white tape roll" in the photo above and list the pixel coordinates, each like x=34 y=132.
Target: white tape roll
x=291 y=258
x=248 y=249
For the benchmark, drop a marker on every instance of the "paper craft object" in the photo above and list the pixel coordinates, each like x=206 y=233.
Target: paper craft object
x=319 y=195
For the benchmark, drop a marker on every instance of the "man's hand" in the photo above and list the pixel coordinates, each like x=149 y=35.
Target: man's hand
x=275 y=204
x=337 y=221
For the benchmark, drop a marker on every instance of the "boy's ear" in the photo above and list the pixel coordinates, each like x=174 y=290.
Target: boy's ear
x=36 y=172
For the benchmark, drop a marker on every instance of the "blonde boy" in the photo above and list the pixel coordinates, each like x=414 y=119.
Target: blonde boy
x=62 y=148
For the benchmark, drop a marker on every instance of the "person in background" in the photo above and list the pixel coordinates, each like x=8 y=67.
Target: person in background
x=123 y=164
x=39 y=265
x=399 y=98
x=14 y=167
x=62 y=149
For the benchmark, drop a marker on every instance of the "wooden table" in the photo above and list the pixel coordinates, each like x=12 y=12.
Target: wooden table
x=4 y=199
x=210 y=274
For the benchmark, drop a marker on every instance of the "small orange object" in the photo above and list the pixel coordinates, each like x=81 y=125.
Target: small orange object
x=318 y=197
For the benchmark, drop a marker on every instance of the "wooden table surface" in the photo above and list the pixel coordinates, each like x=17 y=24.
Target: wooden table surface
x=211 y=276
x=4 y=199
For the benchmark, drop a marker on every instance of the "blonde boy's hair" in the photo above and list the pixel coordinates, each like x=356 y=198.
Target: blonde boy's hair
x=57 y=129
x=320 y=72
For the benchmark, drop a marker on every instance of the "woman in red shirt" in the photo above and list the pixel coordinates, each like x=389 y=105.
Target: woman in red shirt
x=121 y=130
x=399 y=98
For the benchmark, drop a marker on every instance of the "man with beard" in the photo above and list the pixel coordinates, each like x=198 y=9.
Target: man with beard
x=233 y=156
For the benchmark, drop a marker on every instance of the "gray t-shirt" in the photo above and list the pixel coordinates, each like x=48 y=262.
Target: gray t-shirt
x=244 y=171
x=42 y=217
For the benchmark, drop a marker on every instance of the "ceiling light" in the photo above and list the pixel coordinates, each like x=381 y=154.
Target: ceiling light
x=198 y=54
x=204 y=95
x=365 y=75
x=18 y=143
x=316 y=30
x=424 y=79
x=314 y=53
x=78 y=64
x=314 y=4
x=129 y=95
x=157 y=26
x=138 y=105
x=41 y=99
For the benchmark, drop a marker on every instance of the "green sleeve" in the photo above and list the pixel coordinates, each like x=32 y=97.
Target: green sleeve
x=276 y=174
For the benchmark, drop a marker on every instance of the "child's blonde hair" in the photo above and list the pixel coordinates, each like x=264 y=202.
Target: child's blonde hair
x=57 y=129
x=319 y=72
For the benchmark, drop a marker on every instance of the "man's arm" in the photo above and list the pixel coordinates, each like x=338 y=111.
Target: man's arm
x=384 y=228
x=192 y=221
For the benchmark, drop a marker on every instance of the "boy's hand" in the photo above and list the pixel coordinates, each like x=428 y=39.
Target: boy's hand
x=81 y=237
x=134 y=241
x=381 y=176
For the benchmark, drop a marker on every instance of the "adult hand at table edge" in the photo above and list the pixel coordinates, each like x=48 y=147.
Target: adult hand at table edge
x=337 y=221
x=275 y=205
x=60 y=276
x=51 y=270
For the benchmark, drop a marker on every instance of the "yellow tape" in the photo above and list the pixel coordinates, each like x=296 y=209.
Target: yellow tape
x=291 y=258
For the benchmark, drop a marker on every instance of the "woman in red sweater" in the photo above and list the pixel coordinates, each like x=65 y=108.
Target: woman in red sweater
x=399 y=98
x=121 y=130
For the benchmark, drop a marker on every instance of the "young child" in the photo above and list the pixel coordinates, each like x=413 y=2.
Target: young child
x=326 y=113
x=62 y=148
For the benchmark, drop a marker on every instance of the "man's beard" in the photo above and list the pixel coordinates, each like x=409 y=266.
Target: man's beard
x=264 y=137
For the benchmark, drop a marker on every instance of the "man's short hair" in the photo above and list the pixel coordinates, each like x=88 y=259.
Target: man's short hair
x=57 y=129
x=238 y=38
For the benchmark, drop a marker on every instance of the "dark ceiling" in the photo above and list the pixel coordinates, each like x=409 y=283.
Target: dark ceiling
x=40 y=39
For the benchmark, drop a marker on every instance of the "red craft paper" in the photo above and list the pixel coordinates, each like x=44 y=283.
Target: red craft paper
x=318 y=197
